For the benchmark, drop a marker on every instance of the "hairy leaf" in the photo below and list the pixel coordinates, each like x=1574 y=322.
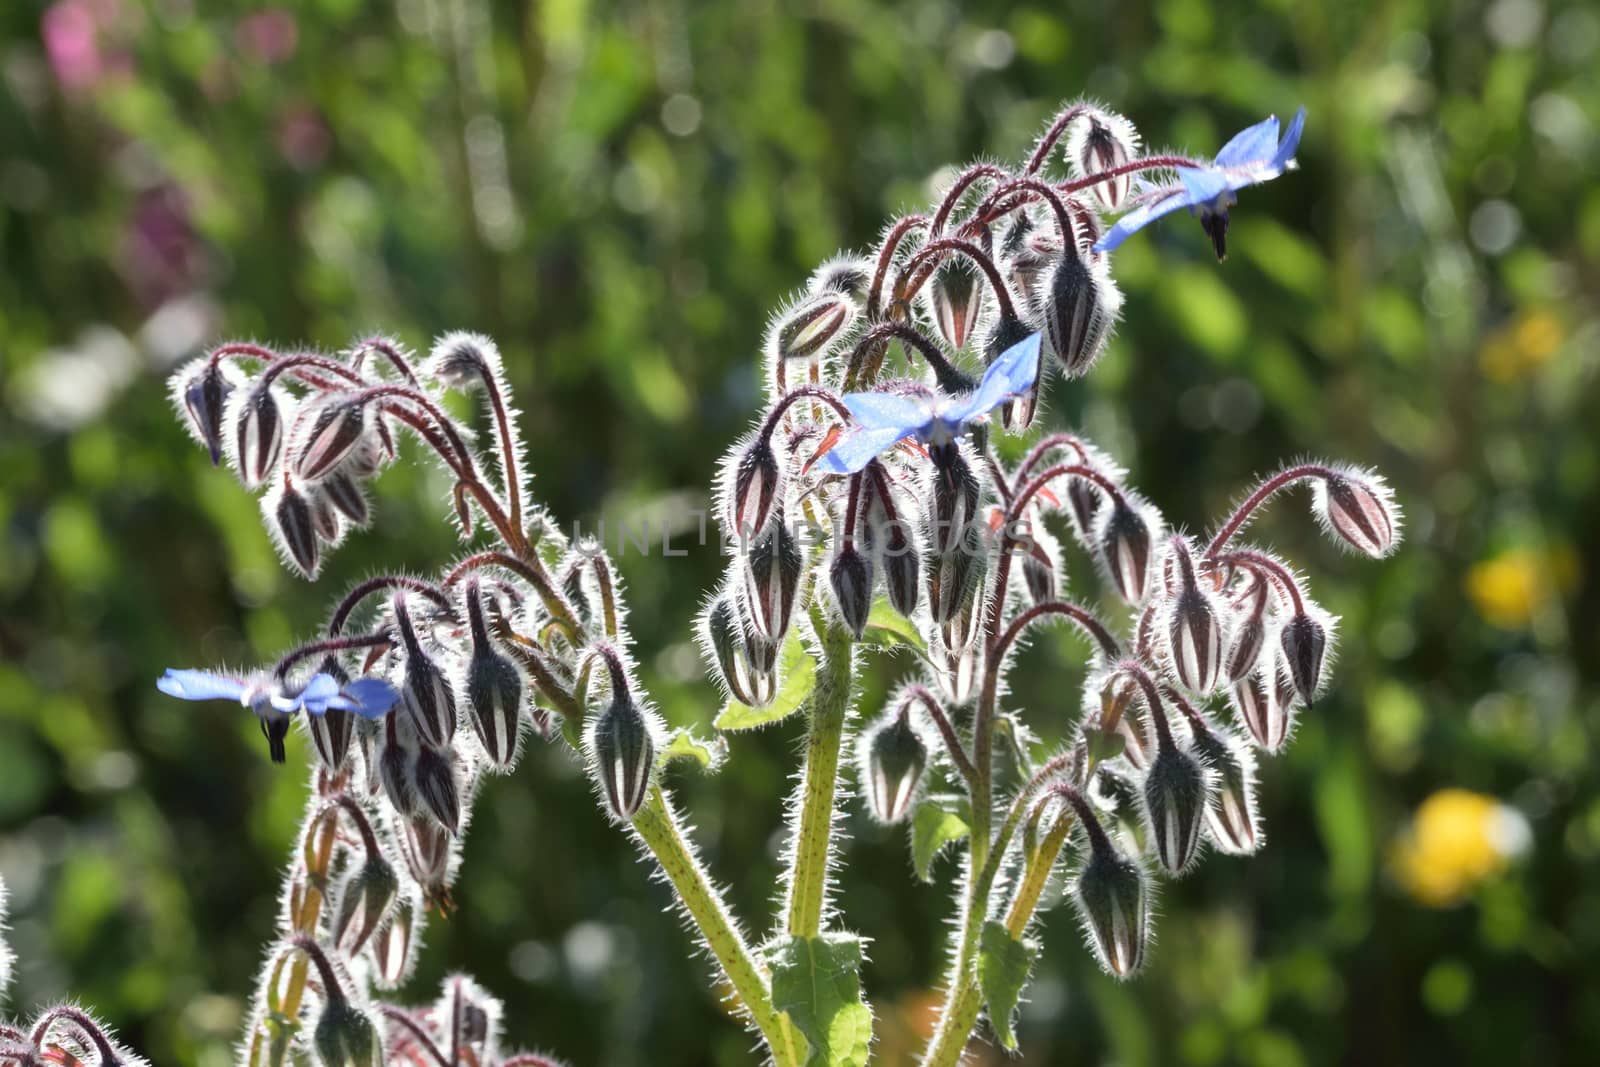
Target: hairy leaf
x=817 y=981
x=797 y=673
x=1003 y=965
x=938 y=821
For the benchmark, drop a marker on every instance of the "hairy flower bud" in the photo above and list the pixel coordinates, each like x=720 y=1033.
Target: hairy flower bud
x=330 y=434
x=622 y=755
x=1084 y=497
x=746 y=663
x=364 y=896
x=1079 y=310
x=1249 y=636
x=1194 y=628
x=425 y=691
x=392 y=947
x=811 y=328
x=345 y=1037
x=344 y=492
x=292 y=526
x=955 y=585
x=754 y=488
x=1125 y=546
x=331 y=731
x=893 y=760
x=256 y=442
x=397 y=753
x=1007 y=332
x=429 y=850
x=850 y=579
x=1231 y=816
x=1112 y=700
x=1177 y=791
x=1258 y=699
x=952 y=497
x=1112 y=897
x=1039 y=555
x=438 y=786
x=1106 y=141
x=1360 y=510
x=201 y=390
x=324 y=518
x=902 y=566
x=772 y=569
x=955 y=298
x=494 y=689
x=1304 y=639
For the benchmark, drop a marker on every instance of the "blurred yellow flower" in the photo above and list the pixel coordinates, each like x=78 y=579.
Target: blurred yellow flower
x=1510 y=588
x=1456 y=840
x=1522 y=347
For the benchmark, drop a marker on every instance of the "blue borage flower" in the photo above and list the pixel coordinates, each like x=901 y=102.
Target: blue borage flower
x=370 y=698
x=884 y=419
x=1253 y=156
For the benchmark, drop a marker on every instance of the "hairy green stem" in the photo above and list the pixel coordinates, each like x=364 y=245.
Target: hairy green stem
x=819 y=785
x=657 y=826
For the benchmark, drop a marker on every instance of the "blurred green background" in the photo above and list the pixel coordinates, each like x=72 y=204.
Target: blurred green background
x=620 y=193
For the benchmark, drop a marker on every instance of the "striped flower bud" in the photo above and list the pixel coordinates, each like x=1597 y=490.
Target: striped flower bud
x=364 y=896
x=293 y=527
x=1111 y=701
x=429 y=851
x=1177 y=792
x=1303 y=640
x=887 y=533
x=1249 y=635
x=1039 y=556
x=1104 y=142
x=1360 y=510
x=810 y=329
x=201 y=390
x=425 y=691
x=438 y=785
x=332 y=730
x=893 y=759
x=850 y=580
x=622 y=752
x=1113 y=900
x=330 y=434
x=494 y=689
x=1231 y=817
x=753 y=488
x=1258 y=699
x=955 y=296
x=324 y=517
x=345 y=1037
x=952 y=496
x=397 y=750
x=1007 y=332
x=392 y=948
x=1193 y=627
x=1125 y=539
x=955 y=582
x=344 y=492
x=772 y=568
x=746 y=663
x=255 y=443
x=1084 y=498
x=1080 y=308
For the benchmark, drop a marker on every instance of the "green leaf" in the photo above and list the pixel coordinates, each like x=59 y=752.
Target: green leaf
x=1104 y=745
x=1003 y=965
x=886 y=626
x=938 y=821
x=817 y=981
x=684 y=745
x=797 y=674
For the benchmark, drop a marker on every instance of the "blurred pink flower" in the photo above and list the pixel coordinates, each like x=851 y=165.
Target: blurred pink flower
x=268 y=36
x=71 y=33
x=303 y=138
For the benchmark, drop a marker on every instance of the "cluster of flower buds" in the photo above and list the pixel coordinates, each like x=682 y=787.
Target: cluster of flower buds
x=63 y=1034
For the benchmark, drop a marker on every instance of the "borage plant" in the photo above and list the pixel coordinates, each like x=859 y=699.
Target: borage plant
x=869 y=506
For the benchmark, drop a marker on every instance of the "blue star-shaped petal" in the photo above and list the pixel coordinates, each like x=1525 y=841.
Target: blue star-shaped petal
x=882 y=419
x=370 y=698
x=1253 y=156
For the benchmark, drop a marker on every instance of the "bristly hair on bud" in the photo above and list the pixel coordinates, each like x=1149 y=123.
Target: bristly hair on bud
x=254 y=422
x=752 y=484
x=1306 y=639
x=1127 y=535
x=773 y=565
x=1080 y=307
x=462 y=360
x=746 y=664
x=621 y=743
x=1112 y=895
x=1195 y=625
x=1231 y=819
x=425 y=691
x=1358 y=508
x=327 y=434
x=1264 y=701
x=1100 y=141
x=850 y=581
x=200 y=390
x=847 y=274
x=892 y=756
x=494 y=687
x=286 y=510
x=955 y=297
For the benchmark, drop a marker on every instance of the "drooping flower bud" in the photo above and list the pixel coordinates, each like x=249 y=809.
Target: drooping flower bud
x=1112 y=898
x=1304 y=639
x=1257 y=699
x=345 y=1037
x=622 y=753
x=810 y=329
x=1007 y=332
x=1231 y=817
x=1249 y=635
x=754 y=488
x=397 y=751
x=1360 y=509
x=293 y=527
x=364 y=896
x=425 y=691
x=1193 y=627
x=955 y=585
x=893 y=759
x=201 y=390
x=438 y=785
x=1125 y=539
x=956 y=297
x=845 y=274
x=324 y=517
x=256 y=441
x=1079 y=310
x=430 y=848
x=745 y=662
x=850 y=580
x=1102 y=143
x=345 y=494
x=773 y=565
x=392 y=947
x=468 y=1013
x=1177 y=792
x=887 y=533
x=1111 y=701
x=1084 y=497
x=331 y=731
x=952 y=497
x=494 y=689
x=328 y=436
x=1039 y=564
